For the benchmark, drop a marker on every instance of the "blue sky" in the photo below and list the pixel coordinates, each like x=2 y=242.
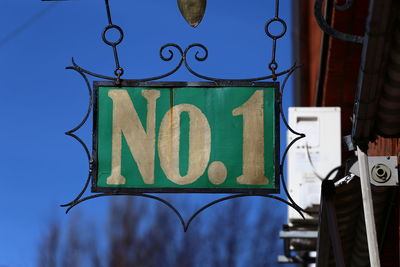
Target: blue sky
x=40 y=167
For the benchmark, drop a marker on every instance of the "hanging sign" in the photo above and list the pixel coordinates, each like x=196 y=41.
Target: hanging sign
x=186 y=137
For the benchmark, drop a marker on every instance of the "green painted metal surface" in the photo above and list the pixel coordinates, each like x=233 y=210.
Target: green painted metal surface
x=190 y=139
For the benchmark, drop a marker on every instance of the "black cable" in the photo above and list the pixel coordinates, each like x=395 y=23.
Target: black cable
x=26 y=24
x=338 y=169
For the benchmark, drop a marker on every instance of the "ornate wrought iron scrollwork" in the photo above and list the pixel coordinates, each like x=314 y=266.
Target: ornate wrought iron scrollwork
x=80 y=141
x=185 y=224
x=328 y=29
x=299 y=136
x=167 y=47
x=119 y=71
x=200 y=55
x=169 y=52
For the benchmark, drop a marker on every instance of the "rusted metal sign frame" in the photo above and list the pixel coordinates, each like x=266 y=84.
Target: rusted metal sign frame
x=133 y=191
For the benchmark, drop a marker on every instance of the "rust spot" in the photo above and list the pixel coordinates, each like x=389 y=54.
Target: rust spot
x=171 y=105
x=171 y=97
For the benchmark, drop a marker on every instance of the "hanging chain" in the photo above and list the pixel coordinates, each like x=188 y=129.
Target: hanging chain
x=273 y=65
x=119 y=71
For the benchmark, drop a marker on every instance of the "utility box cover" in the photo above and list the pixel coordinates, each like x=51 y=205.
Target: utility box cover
x=311 y=158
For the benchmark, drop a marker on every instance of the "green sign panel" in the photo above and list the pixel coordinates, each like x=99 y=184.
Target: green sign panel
x=186 y=137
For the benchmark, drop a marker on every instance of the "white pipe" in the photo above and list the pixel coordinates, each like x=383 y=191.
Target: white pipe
x=368 y=209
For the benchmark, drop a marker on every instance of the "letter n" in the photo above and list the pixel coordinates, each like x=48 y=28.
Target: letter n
x=141 y=142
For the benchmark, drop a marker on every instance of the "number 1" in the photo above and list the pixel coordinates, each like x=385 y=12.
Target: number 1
x=253 y=140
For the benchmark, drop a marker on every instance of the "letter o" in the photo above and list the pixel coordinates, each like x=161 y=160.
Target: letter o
x=199 y=144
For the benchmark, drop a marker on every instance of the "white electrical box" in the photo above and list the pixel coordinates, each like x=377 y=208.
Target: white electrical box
x=311 y=158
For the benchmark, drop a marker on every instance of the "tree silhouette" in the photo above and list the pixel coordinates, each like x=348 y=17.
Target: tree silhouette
x=48 y=248
x=142 y=233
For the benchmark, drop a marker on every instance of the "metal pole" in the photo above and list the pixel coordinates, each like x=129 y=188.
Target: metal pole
x=368 y=209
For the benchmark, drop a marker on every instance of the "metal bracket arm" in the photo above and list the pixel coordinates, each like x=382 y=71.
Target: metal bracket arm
x=323 y=24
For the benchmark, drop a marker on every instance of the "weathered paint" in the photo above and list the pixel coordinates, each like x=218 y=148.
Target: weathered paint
x=220 y=137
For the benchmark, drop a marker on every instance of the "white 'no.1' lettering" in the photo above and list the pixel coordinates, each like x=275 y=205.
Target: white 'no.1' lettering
x=141 y=142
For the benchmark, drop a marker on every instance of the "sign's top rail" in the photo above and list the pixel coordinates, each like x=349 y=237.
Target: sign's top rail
x=167 y=84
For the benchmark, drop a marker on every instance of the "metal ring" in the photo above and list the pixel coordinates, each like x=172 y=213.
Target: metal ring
x=109 y=27
x=272 y=36
x=273 y=66
x=119 y=72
